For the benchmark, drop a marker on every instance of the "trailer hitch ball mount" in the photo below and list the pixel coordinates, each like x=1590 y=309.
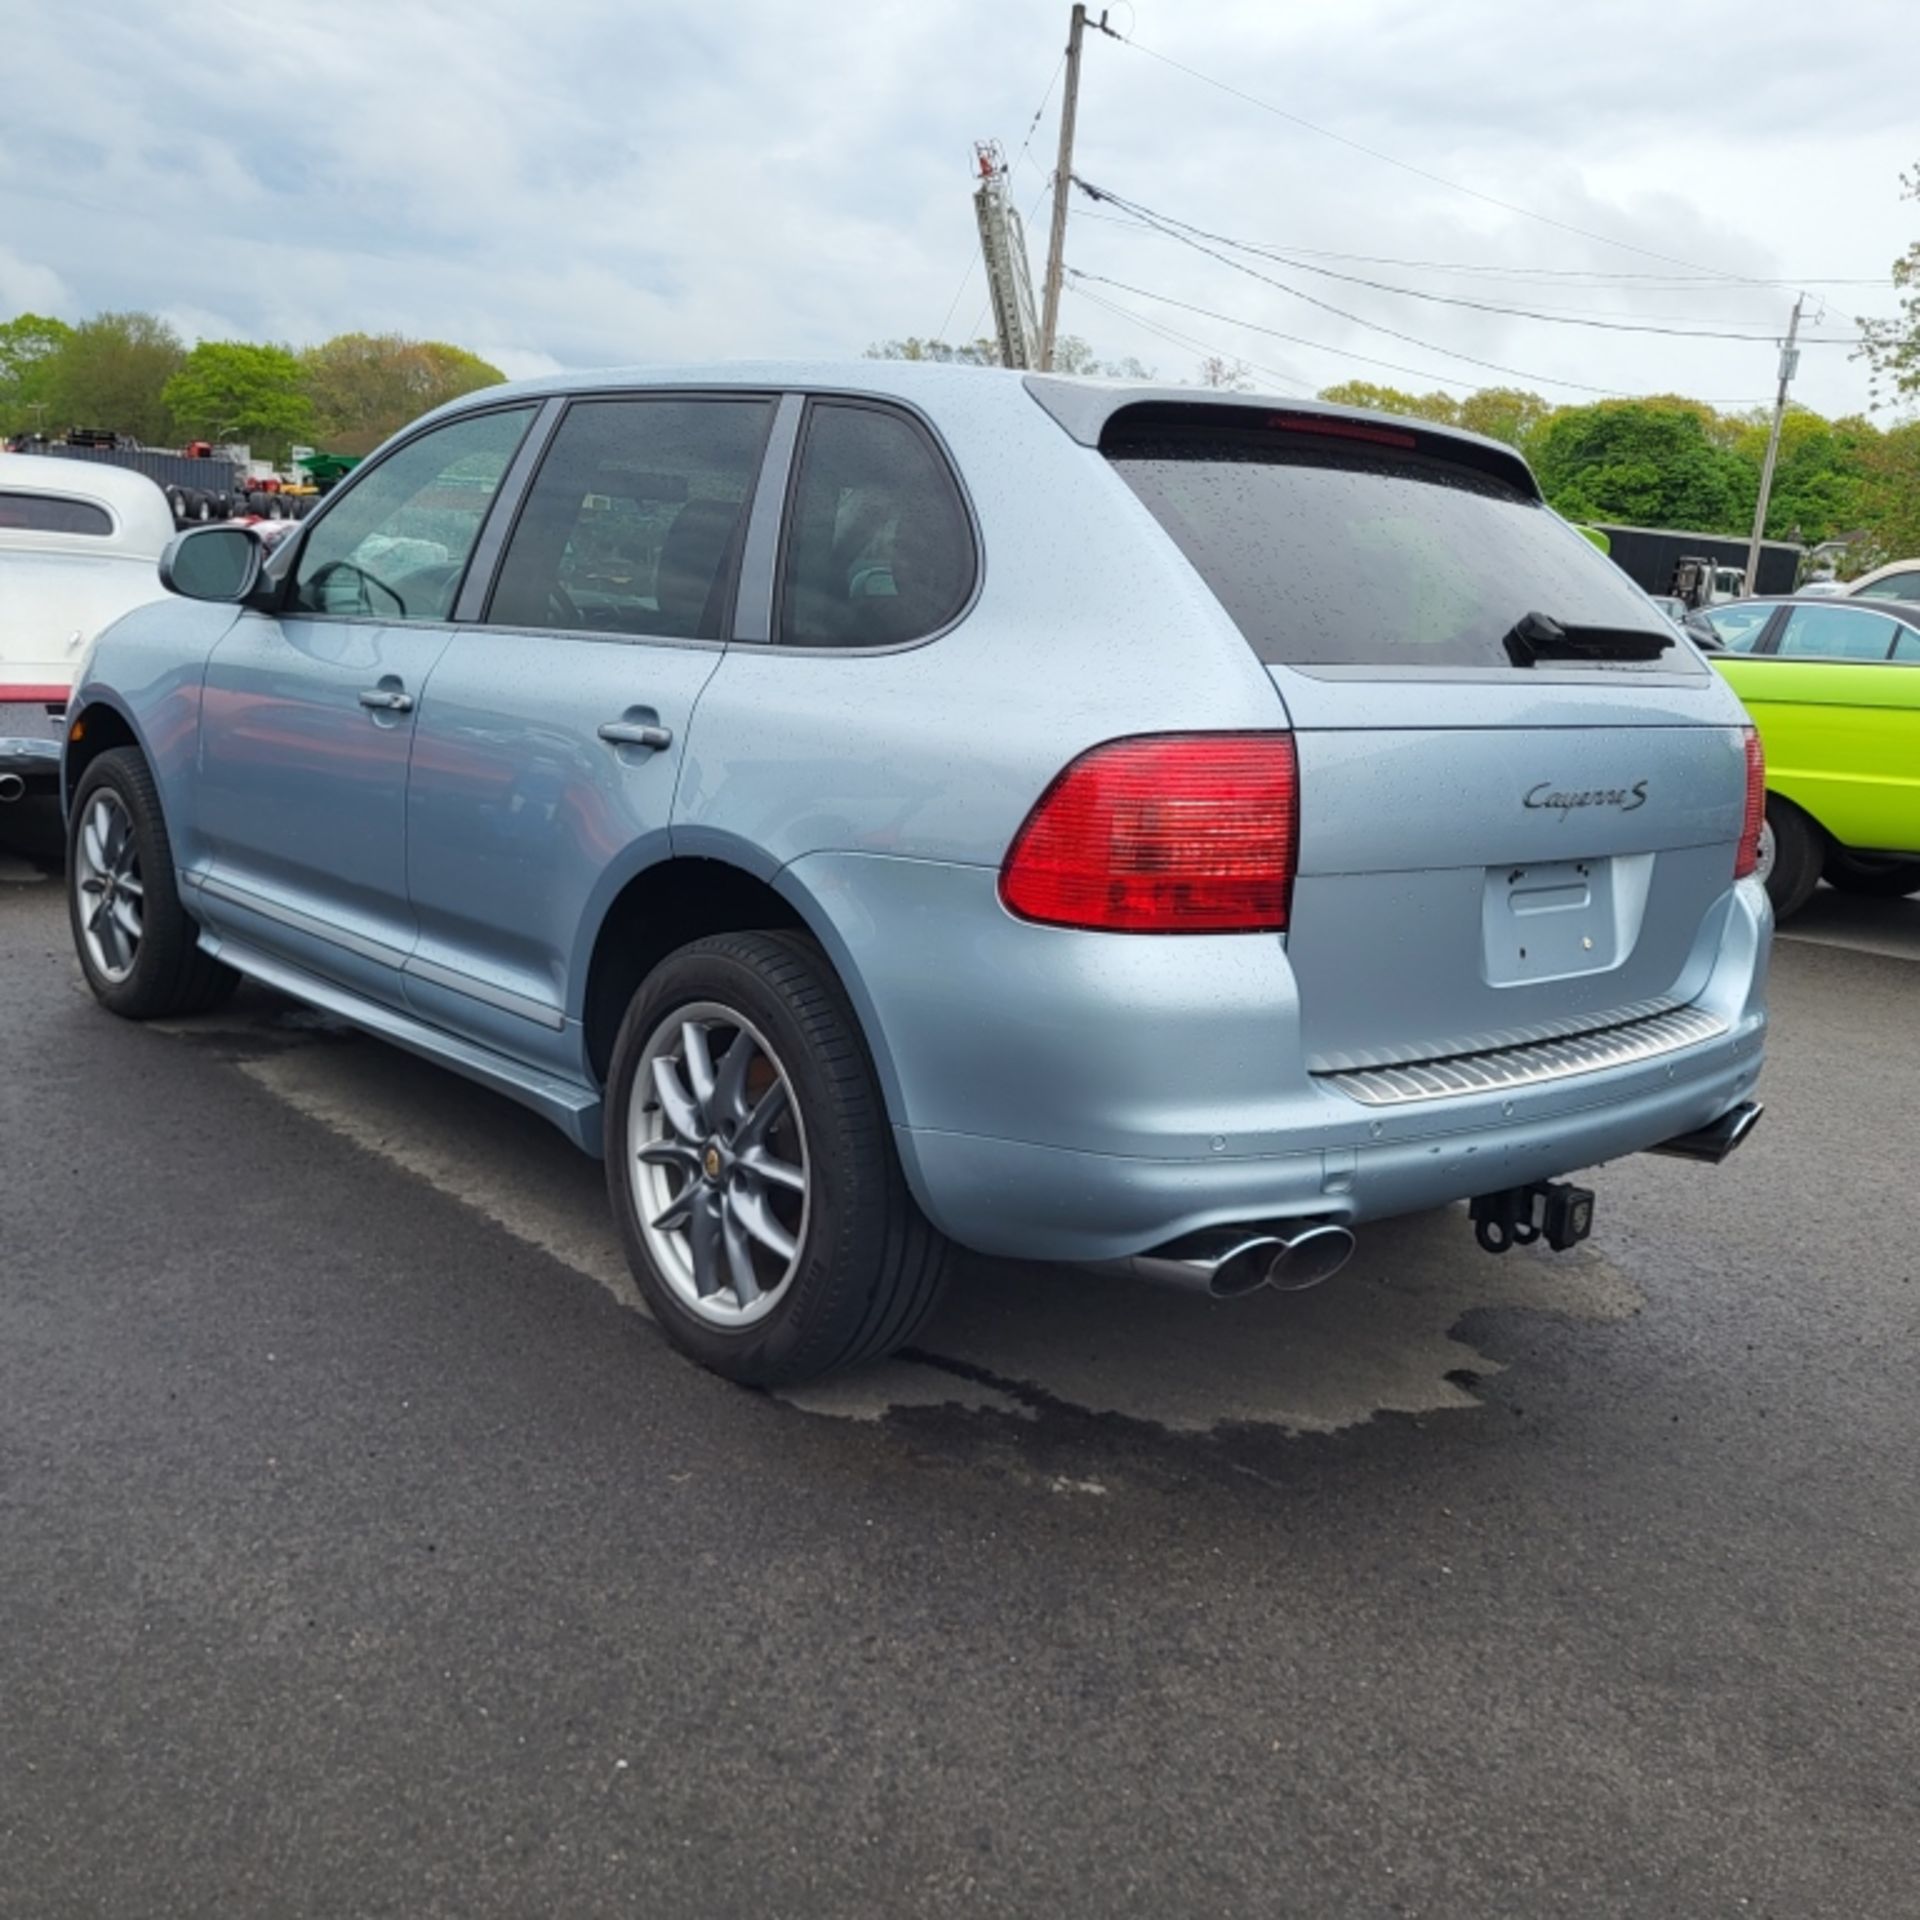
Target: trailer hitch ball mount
x=1549 y=1210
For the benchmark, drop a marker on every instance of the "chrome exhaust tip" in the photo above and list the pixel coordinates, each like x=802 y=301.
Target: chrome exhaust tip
x=1307 y=1258
x=12 y=787
x=1223 y=1263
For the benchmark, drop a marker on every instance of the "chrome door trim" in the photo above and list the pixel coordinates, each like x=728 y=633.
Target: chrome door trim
x=307 y=923
x=504 y=998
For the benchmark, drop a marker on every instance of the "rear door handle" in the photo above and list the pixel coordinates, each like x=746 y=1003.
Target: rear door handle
x=386 y=700
x=636 y=733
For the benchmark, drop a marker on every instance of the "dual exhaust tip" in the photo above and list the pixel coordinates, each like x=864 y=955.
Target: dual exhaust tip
x=1225 y=1262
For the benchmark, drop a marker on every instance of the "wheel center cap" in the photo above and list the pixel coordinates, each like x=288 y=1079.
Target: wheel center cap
x=711 y=1161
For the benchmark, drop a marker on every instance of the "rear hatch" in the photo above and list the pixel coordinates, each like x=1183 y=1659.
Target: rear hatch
x=1521 y=793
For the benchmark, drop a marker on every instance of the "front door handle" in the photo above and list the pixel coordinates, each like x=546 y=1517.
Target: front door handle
x=386 y=700
x=636 y=733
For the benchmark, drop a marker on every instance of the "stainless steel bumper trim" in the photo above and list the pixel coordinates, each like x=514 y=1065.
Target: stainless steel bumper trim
x=1616 y=1046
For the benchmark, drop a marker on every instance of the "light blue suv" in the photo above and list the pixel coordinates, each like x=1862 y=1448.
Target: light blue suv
x=890 y=806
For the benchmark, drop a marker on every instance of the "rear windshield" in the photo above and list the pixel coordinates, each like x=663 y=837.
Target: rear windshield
x=1328 y=552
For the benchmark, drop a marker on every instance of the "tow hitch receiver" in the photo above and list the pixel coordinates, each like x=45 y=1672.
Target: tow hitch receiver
x=1562 y=1214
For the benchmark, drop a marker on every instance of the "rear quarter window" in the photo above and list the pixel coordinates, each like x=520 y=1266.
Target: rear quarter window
x=1340 y=544
x=44 y=513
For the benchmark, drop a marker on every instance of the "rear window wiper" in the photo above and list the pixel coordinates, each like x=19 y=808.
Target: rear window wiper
x=1539 y=636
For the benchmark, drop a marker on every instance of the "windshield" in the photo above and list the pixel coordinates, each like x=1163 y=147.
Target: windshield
x=1331 y=556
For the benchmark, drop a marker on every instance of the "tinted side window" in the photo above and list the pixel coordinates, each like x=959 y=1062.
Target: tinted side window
x=395 y=545
x=36 y=513
x=1739 y=628
x=634 y=521
x=1821 y=632
x=1907 y=647
x=1896 y=586
x=878 y=546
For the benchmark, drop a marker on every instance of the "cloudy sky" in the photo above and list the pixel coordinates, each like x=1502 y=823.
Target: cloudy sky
x=586 y=182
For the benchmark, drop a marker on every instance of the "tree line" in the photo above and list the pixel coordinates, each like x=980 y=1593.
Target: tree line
x=132 y=373
x=1666 y=461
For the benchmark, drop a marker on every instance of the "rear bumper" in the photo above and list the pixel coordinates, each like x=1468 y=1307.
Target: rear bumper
x=32 y=727
x=1004 y=1197
x=37 y=762
x=1083 y=1097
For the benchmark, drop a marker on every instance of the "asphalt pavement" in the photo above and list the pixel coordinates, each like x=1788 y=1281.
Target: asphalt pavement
x=365 y=1551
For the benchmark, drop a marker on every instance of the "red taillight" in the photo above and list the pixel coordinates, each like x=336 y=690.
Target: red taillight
x=1748 y=857
x=1169 y=833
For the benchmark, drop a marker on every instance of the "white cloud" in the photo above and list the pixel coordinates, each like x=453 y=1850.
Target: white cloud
x=584 y=182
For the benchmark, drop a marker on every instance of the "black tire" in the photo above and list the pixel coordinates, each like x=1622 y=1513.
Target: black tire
x=257 y=504
x=177 y=506
x=1799 y=851
x=869 y=1266
x=1876 y=879
x=169 y=974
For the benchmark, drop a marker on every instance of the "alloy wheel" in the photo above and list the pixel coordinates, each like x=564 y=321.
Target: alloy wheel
x=107 y=879
x=718 y=1163
x=1764 y=853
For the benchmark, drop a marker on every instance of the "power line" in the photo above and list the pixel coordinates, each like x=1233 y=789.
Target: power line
x=1438 y=179
x=1367 y=359
x=1556 y=277
x=1187 y=340
x=1184 y=231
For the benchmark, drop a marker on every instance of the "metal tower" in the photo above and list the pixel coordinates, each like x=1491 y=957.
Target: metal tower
x=1003 y=245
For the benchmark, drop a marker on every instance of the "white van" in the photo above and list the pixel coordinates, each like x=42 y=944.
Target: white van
x=80 y=544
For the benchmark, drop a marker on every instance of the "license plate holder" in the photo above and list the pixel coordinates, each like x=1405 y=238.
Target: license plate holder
x=1549 y=920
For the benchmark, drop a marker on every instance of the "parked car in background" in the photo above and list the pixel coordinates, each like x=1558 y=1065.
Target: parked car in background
x=1897 y=580
x=891 y=805
x=1834 y=687
x=1691 y=622
x=78 y=548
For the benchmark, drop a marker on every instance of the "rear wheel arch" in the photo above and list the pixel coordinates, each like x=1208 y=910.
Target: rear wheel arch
x=673 y=902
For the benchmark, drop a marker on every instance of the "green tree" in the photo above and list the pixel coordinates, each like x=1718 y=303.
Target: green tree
x=364 y=386
x=1889 y=497
x=110 y=373
x=1649 y=463
x=1817 y=475
x=1892 y=347
x=1505 y=413
x=30 y=343
x=228 y=390
x=1419 y=406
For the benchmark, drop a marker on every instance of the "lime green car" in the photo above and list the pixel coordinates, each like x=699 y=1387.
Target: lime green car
x=1834 y=689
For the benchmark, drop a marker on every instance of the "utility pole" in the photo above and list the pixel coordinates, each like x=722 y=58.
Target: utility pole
x=1789 y=366
x=1062 y=187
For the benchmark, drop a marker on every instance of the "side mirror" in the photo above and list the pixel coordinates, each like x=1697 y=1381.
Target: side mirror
x=212 y=563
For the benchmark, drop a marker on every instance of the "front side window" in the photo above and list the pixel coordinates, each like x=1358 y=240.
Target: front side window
x=878 y=547
x=1739 y=627
x=1896 y=586
x=1907 y=646
x=395 y=546
x=1825 y=632
x=42 y=513
x=634 y=522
